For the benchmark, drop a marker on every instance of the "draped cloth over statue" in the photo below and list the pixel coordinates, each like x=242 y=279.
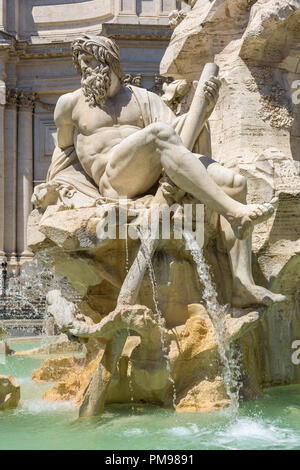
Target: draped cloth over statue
x=66 y=168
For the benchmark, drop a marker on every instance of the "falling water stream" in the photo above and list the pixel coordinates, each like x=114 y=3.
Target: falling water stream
x=217 y=315
x=144 y=235
x=130 y=385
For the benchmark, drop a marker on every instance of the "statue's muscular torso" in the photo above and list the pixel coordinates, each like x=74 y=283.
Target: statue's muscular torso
x=95 y=131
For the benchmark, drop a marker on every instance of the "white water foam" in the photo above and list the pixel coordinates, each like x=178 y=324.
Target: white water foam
x=42 y=406
x=251 y=432
x=134 y=432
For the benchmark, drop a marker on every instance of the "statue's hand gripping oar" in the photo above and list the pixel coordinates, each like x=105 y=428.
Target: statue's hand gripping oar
x=197 y=114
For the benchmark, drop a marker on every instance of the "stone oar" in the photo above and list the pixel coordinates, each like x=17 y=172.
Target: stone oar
x=132 y=283
x=196 y=116
x=95 y=396
x=115 y=328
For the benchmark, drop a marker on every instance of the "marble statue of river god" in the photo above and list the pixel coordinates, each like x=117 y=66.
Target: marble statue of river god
x=116 y=142
x=120 y=138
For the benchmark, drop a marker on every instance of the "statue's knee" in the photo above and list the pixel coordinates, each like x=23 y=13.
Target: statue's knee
x=162 y=131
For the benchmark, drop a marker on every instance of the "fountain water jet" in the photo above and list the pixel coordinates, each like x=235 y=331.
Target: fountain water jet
x=217 y=314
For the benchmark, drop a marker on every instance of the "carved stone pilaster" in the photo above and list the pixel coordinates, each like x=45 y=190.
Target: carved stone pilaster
x=2 y=180
x=2 y=164
x=26 y=101
x=3 y=7
x=10 y=233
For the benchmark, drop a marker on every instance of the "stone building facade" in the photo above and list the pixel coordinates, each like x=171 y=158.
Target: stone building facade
x=36 y=68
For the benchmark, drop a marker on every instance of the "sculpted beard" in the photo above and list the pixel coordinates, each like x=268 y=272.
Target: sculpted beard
x=95 y=84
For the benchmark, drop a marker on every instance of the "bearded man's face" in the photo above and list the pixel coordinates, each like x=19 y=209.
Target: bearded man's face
x=95 y=79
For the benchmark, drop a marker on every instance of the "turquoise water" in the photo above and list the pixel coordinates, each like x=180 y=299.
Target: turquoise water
x=269 y=423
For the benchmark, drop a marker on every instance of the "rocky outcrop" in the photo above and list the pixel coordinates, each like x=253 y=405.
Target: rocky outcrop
x=255 y=129
x=9 y=392
x=191 y=378
x=162 y=350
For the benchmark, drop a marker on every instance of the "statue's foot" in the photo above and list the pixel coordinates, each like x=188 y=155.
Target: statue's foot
x=252 y=215
x=247 y=295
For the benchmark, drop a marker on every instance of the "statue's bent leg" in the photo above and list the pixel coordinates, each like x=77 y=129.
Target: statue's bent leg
x=135 y=165
x=245 y=292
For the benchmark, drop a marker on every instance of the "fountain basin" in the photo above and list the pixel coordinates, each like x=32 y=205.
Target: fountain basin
x=271 y=422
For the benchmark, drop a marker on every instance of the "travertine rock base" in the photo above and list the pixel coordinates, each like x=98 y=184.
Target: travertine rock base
x=9 y=392
x=143 y=376
x=255 y=129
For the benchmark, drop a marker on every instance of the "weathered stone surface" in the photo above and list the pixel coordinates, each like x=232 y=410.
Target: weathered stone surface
x=205 y=397
x=73 y=379
x=143 y=374
x=53 y=369
x=272 y=23
x=9 y=392
x=256 y=45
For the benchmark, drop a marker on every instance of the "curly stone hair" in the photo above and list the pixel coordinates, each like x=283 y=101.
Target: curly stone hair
x=104 y=50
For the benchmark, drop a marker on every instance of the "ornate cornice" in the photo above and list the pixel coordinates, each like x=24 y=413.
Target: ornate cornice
x=7 y=40
x=119 y=32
